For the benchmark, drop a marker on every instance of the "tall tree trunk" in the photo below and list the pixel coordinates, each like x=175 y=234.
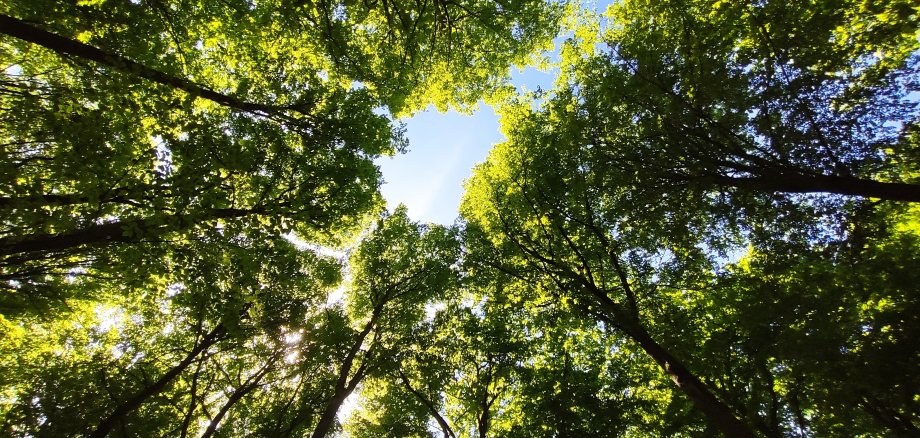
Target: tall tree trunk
x=98 y=234
x=193 y=402
x=717 y=412
x=445 y=428
x=625 y=318
x=628 y=322
x=237 y=395
x=65 y=46
x=248 y=386
x=899 y=425
x=343 y=385
x=483 y=423
x=840 y=185
x=332 y=409
x=106 y=425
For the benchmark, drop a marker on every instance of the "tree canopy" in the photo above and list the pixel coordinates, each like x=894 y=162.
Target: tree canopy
x=710 y=225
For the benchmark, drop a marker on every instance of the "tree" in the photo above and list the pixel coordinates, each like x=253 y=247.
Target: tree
x=456 y=371
x=503 y=358
x=159 y=155
x=535 y=201
x=541 y=209
x=84 y=175
x=680 y=239
x=157 y=357
x=822 y=329
x=754 y=98
x=288 y=146
x=396 y=270
x=410 y=54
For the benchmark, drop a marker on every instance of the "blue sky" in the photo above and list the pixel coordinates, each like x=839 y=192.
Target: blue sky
x=443 y=148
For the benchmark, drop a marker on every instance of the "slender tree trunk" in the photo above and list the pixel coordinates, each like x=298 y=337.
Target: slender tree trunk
x=770 y=428
x=187 y=419
x=332 y=409
x=445 y=428
x=796 y=406
x=251 y=384
x=299 y=414
x=484 y=423
x=898 y=424
x=112 y=232
x=717 y=412
x=840 y=185
x=343 y=386
x=65 y=46
x=235 y=397
x=625 y=318
x=106 y=425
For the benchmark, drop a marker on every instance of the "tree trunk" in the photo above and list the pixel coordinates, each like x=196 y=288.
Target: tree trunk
x=328 y=418
x=839 y=185
x=65 y=46
x=445 y=428
x=235 y=397
x=717 y=412
x=106 y=425
x=98 y=234
x=483 y=423
x=193 y=402
x=900 y=425
x=251 y=384
x=343 y=386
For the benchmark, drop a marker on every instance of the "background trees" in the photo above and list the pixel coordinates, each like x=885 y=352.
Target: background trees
x=160 y=158
x=637 y=187
x=285 y=125
x=708 y=226
x=536 y=201
x=755 y=97
x=409 y=54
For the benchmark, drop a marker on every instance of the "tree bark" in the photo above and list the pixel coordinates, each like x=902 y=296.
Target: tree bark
x=251 y=384
x=624 y=317
x=98 y=234
x=328 y=418
x=445 y=428
x=839 y=185
x=106 y=425
x=483 y=423
x=717 y=412
x=899 y=424
x=343 y=386
x=193 y=402
x=65 y=46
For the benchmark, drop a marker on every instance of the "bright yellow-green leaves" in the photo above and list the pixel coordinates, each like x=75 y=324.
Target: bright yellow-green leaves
x=599 y=219
x=160 y=197
x=616 y=163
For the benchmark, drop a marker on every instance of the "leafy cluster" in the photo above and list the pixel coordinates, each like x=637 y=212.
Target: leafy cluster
x=709 y=225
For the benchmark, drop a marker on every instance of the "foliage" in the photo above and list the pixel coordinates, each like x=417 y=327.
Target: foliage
x=750 y=99
x=709 y=226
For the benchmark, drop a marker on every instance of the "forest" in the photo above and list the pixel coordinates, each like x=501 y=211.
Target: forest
x=709 y=226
